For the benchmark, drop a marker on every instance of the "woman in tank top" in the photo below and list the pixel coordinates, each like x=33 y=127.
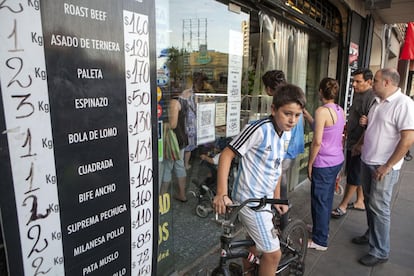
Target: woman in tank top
x=325 y=160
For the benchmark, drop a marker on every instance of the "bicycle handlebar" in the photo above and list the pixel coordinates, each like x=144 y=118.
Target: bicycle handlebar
x=261 y=203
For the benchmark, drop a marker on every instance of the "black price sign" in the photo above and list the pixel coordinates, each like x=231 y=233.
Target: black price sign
x=77 y=106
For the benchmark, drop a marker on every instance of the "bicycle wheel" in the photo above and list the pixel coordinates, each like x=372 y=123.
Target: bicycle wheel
x=295 y=235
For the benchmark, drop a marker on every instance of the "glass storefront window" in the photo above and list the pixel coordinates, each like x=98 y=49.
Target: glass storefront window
x=317 y=69
x=210 y=59
x=202 y=50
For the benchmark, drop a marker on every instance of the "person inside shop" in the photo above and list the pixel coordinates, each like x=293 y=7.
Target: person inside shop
x=199 y=85
x=325 y=160
x=264 y=139
x=177 y=114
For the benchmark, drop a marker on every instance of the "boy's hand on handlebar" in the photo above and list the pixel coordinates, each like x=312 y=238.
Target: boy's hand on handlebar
x=220 y=203
x=281 y=209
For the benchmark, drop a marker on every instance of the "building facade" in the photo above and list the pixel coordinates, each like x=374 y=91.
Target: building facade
x=90 y=90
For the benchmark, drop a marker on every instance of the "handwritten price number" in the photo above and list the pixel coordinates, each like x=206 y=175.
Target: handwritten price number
x=139 y=48
x=143 y=151
x=144 y=216
x=143 y=257
x=24 y=109
x=140 y=72
x=142 y=198
x=143 y=238
x=145 y=270
x=143 y=178
x=137 y=24
x=142 y=123
x=139 y=98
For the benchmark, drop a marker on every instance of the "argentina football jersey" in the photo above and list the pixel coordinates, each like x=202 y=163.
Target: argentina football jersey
x=261 y=151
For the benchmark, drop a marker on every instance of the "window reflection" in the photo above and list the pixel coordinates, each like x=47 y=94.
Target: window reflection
x=202 y=54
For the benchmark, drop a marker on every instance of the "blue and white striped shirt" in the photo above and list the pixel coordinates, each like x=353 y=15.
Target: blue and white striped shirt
x=261 y=151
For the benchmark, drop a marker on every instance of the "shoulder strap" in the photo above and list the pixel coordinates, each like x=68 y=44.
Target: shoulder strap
x=330 y=113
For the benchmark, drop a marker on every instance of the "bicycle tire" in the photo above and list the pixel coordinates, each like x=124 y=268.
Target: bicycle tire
x=295 y=235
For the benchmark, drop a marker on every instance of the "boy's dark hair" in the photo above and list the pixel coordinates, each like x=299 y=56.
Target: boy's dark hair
x=288 y=93
x=366 y=73
x=329 y=88
x=273 y=79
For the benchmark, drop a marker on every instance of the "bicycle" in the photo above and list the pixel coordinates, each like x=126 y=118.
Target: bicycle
x=293 y=243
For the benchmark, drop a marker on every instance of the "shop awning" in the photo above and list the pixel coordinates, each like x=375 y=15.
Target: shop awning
x=407 y=51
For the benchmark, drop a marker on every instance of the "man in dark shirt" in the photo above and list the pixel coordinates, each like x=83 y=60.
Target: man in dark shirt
x=362 y=102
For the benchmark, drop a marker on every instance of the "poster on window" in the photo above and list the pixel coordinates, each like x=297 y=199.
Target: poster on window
x=206 y=113
x=353 y=65
x=353 y=56
x=221 y=114
x=77 y=106
x=235 y=66
x=233 y=119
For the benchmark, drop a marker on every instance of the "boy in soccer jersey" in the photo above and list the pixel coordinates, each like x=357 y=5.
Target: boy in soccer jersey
x=261 y=146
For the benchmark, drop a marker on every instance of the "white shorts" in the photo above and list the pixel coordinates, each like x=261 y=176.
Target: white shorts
x=259 y=227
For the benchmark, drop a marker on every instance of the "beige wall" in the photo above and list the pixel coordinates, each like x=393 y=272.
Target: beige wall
x=376 y=53
x=333 y=61
x=356 y=5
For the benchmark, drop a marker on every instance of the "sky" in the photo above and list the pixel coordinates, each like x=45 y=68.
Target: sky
x=217 y=14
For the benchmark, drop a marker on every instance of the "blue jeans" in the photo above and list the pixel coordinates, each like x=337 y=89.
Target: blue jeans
x=322 y=193
x=377 y=198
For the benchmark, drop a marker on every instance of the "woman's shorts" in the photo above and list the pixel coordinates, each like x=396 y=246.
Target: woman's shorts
x=177 y=166
x=190 y=147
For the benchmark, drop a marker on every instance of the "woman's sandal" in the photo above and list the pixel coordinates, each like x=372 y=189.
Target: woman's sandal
x=337 y=213
x=352 y=206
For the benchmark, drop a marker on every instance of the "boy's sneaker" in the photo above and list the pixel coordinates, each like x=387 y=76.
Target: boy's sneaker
x=316 y=246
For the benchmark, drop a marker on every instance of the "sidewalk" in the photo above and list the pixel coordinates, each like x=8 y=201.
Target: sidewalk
x=342 y=256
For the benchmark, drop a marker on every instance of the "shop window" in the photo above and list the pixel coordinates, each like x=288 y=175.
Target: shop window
x=203 y=53
x=220 y=54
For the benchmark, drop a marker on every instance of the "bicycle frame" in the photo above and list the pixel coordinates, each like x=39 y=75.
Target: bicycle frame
x=292 y=243
x=228 y=245
x=285 y=262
